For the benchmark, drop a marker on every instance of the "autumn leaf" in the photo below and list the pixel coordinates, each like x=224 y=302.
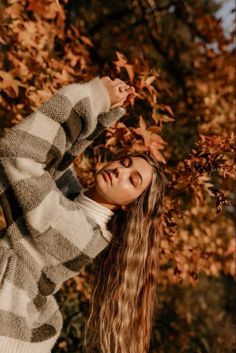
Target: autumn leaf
x=130 y=70
x=149 y=80
x=9 y=84
x=156 y=153
x=142 y=123
x=86 y=41
x=122 y=63
x=169 y=110
x=52 y=7
x=121 y=59
x=13 y=11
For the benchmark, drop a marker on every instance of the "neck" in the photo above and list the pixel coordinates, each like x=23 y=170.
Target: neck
x=92 y=194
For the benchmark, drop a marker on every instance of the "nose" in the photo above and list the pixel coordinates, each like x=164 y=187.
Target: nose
x=116 y=171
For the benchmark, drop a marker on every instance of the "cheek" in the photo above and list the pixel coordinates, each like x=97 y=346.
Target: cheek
x=125 y=192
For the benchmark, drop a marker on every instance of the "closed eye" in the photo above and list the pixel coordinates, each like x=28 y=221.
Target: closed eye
x=130 y=162
x=132 y=182
x=124 y=163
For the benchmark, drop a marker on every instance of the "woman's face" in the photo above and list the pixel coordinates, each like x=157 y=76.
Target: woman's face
x=121 y=181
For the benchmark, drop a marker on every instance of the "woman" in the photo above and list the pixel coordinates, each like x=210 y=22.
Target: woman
x=124 y=293
x=54 y=228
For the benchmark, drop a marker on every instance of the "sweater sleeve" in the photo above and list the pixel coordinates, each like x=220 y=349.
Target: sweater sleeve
x=62 y=127
x=35 y=152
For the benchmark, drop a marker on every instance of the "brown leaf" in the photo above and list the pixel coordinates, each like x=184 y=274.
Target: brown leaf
x=13 y=11
x=149 y=80
x=86 y=41
x=45 y=9
x=10 y=84
x=130 y=71
x=170 y=111
x=156 y=153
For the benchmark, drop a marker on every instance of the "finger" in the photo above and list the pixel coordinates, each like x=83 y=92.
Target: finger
x=132 y=95
x=129 y=99
x=121 y=83
x=119 y=104
x=130 y=90
x=106 y=78
x=121 y=86
x=122 y=94
x=124 y=88
x=117 y=80
x=127 y=87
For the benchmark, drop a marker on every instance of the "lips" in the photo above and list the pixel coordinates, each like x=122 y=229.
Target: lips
x=107 y=176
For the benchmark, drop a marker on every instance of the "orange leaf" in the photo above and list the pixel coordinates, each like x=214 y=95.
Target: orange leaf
x=121 y=57
x=111 y=141
x=52 y=8
x=138 y=146
x=142 y=123
x=167 y=119
x=14 y=10
x=158 y=139
x=130 y=72
x=8 y=82
x=149 y=80
x=121 y=62
x=169 y=110
x=86 y=41
x=157 y=154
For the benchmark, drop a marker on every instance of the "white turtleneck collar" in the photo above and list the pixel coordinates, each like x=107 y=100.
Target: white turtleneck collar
x=93 y=209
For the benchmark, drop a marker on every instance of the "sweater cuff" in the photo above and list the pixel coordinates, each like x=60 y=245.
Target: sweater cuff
x=99 y=96
x=108 y=119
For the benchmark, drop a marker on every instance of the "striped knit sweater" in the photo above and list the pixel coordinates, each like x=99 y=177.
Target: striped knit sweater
x=49 y=237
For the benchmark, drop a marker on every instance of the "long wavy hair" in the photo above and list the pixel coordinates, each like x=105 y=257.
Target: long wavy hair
x=125 y=275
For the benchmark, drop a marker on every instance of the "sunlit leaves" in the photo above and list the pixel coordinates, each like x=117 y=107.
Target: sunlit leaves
x=9 y=84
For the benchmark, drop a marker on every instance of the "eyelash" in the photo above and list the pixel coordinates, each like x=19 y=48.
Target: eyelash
x=122 y=163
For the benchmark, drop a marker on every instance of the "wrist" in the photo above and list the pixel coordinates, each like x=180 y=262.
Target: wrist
x=99 y=95
x=106 y=91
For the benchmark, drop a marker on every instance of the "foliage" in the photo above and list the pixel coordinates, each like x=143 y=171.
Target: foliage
x=181 y=63
x=196 y=326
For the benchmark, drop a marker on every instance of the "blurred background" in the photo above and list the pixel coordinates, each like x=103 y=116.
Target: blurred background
x=180 y=57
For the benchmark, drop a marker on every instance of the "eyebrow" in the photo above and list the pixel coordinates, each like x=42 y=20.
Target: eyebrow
x=131 y=162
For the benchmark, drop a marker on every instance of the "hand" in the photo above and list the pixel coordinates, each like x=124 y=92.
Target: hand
x=130 y=97
x=118 y=91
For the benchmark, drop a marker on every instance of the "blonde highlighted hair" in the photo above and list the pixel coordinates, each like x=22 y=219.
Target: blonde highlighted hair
x=124 y=289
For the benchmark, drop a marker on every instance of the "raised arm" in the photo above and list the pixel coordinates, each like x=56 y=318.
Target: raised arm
x=35 y=152
x=62 y=127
